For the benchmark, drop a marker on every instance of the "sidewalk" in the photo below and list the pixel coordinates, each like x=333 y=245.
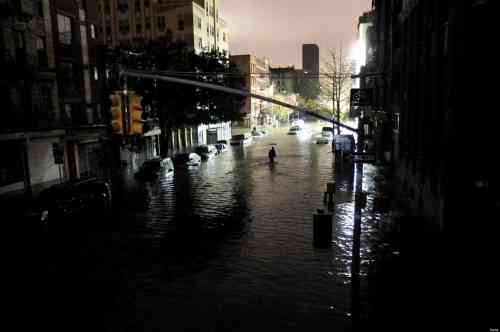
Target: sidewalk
x=407 y=286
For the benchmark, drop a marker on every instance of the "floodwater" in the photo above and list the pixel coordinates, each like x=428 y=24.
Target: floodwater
x=225 y=246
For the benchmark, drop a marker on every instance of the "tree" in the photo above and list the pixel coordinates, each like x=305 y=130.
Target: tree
x=178 y=105
x=336 y=84
x=315 y=106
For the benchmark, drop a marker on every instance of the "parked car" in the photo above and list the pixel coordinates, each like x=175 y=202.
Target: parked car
x=221 y=147
x=206 y=151
x=75 y=205
x=323 y=140
x=150 y=169
x=242 y=139
x=187 y=159
x=327 y=131
x=295 y=130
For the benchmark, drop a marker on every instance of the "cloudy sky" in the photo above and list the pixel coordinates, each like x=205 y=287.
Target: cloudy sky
x=276 y=29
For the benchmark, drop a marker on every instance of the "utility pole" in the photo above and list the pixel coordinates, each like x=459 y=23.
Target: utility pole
x=333 y=106
x=215 y=25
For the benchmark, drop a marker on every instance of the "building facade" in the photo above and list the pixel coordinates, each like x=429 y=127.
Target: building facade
x=419 y=91
x=196 y=22
x=258 y=81
x=54 y=129
x=284 y=79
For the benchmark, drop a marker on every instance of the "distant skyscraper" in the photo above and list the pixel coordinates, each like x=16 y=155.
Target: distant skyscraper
x=310 y=58
x=310 y=65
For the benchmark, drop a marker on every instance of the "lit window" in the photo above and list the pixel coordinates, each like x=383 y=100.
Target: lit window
x=92 y=31
x=96 y=74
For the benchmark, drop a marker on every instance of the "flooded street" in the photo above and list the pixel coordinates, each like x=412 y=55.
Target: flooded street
x=226 y=246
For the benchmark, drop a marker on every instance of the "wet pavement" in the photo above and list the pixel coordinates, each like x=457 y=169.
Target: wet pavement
x=227 y=246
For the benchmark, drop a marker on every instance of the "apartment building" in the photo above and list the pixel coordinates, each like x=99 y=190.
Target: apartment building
x=53 y=128
x=258 y=82
x=196 y=22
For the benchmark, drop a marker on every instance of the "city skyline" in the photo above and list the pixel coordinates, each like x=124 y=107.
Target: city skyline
x=280 y=38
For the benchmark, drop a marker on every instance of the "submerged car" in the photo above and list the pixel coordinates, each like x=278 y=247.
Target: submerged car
x=206 y=151
x=150 y=169
x=221 y=147
x=242 y=139
x=75 y=205
x=187 y=159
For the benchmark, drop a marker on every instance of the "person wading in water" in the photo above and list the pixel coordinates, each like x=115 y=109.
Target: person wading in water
x=272 y=155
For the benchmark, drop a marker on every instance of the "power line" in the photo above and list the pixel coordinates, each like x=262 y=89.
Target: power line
x=236 y=75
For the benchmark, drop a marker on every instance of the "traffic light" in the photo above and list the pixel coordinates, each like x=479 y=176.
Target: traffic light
x=136 y=123
x=116 y=113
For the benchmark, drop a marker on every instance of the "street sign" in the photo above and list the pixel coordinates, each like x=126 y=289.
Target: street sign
x=364 y=157
x=361 y=97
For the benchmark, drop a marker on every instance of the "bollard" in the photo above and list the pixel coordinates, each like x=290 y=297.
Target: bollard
x=329 y=193
x=322 y=229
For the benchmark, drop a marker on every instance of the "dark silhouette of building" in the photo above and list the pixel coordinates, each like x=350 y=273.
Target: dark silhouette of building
x=309 y=84
x=310 y=58
x=422 y=85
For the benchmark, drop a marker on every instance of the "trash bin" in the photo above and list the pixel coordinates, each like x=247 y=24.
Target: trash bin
x=322 y=229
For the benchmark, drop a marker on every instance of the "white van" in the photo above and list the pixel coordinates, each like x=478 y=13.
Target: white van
x=344 y=143
x=327 y=132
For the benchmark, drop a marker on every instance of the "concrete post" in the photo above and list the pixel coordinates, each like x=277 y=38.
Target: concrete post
x=322 y=229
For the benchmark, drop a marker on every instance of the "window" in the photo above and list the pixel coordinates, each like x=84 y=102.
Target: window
x=123 y=7
x=82 y=15
x=46 y=101
x=137 y=7
x=39 y=8
x=138 y=28
x=180 y=25
x=224 y=37
x=40 y=51
x=20 y=47
x=148 y=23
x=124 y=26
x=96 y=74
x=92 y=31
x=161 y=23
x=200 y=43
x=64 y=28
x=198 y=19
x=146 y=3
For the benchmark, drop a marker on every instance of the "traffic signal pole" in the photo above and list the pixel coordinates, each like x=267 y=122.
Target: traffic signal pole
x=155 y=76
